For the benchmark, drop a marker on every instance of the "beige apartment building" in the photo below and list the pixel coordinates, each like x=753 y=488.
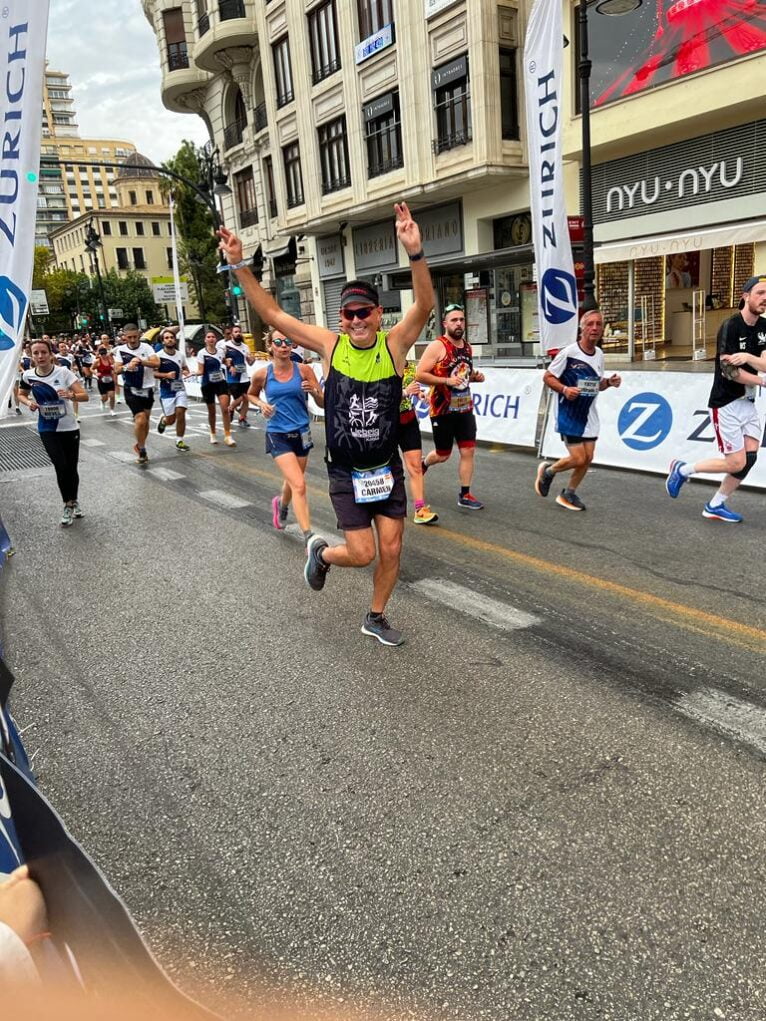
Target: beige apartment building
x=67 y=190
x=326 y=112
x=135 y=232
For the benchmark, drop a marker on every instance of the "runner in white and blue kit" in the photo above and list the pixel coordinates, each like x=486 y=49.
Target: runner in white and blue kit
x=136 y=360
x=576 y=374
x=51 y=390
x=211 y=372
x=173 y=396
x=237 y=357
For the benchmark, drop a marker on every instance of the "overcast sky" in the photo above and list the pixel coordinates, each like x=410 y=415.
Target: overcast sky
x=110 y=53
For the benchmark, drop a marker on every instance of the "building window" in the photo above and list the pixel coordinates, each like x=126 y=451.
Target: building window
x=132 y=198
x=293 y=178
x=244 y=188
x=106 y=228
x=175 y=38
x=283 y=72
x=323 y=34
x=155 y=228
x=383 y=128
x=374 y=15
x=509 y=99
x=122 y=258
x=333 y=155
x=122 y=224
x=452 y=99
x=169 y=257
x=139 y=228
x=101 y=202
x=150 y=198
x=271 y=195
x=232 y=133
x=138 y=258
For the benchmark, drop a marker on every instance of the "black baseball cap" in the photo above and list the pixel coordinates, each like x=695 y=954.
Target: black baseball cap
x=750 y=284
x=358 y=292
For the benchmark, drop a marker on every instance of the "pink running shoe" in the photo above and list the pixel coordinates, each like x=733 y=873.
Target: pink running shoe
x=275 y=506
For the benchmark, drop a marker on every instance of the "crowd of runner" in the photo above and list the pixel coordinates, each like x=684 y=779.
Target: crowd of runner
x=367 y=391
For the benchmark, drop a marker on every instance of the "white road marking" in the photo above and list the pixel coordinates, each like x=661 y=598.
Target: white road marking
x=122 y=455
x=91 y=441
x=166 y=474
x=491 y=611
x=223 y=499
x=293 y=531
x=743 y=721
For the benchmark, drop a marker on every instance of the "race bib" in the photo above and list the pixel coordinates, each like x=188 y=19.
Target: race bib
x=176 y=385
x=53 y=411
x=461 y=401
x=751 y=392
x=374 y=485
x=106 y=379
x=306 y=439
x=215 y=377
x=139 y=393
x=588 y=387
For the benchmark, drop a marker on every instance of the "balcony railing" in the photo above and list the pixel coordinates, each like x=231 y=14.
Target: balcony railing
x=232 y=133
x=384 y=149
x=451 y=140
x=248 y=217
x=203 y=25
x=294 y=200
x=260 y=120
x=178 y=58
x=228 y=9
x=320 y=73
x=336 y=184
x=283 y=98
x=453 y=122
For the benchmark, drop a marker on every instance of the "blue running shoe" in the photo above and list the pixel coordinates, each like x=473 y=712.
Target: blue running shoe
x=722 y=513
x=675 y=479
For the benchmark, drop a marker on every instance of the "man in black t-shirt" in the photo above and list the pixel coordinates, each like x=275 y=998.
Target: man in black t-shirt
x=740 y=355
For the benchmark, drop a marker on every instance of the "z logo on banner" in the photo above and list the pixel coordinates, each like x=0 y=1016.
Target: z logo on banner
x=645 y=420
x=13 y=308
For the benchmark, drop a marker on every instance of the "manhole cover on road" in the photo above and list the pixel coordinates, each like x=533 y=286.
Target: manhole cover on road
x=21 y=448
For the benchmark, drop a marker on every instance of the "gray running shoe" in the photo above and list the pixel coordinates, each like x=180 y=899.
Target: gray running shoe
x=544 y=479
x=67 y=518
x=378 y=627
x=77 y=510
x=315 y=571
x=569 y=500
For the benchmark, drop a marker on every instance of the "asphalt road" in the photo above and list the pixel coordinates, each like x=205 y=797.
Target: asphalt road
x=547 y=804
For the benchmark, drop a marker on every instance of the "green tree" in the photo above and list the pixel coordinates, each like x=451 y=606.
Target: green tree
x=43 y=259
x=198 y=246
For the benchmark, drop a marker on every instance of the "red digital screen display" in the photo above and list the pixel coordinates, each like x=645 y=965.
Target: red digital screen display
x=666 y=40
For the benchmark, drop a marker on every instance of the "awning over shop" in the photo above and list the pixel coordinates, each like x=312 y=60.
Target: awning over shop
x=279 y=248
x=693 y=241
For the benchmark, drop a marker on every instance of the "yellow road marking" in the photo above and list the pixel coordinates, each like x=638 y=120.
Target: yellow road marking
x=697 y=620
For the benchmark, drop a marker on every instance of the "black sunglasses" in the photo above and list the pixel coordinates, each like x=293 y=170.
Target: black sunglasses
x=278 y=342
x=360 y=313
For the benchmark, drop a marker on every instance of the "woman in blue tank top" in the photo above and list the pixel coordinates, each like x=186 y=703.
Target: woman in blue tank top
x=286 y=385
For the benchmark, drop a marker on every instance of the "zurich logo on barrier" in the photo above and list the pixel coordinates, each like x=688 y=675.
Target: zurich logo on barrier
x=558 y=296
x=13 y=308
x=645 y=421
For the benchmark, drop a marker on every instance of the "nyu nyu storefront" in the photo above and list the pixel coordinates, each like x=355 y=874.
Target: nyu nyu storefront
x=676 y=236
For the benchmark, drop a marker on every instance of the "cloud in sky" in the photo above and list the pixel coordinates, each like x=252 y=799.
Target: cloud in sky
x=110 y=53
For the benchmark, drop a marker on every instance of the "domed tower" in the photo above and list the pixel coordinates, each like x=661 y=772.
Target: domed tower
x=137 y=182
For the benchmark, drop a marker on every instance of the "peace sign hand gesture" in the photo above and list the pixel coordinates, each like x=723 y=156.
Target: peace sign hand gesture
x=407 y=230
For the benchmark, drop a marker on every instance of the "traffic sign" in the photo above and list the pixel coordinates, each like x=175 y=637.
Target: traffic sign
x=167 y=292
x=38 y=303
x=115 y=313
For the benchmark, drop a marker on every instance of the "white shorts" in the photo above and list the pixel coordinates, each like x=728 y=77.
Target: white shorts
x=178 y=400
x=733 y=422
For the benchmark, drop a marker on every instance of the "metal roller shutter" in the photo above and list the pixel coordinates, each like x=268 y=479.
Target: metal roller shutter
x=331 y=292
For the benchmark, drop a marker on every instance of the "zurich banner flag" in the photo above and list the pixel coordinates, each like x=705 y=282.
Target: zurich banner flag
x=557 y=287
x=23 y=33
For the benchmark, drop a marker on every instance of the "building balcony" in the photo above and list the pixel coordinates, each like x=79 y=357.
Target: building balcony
x=248 y=217
x=178 y=57
x=260 y=120
x=228 y=25
x=232 y=134
x=179 y=79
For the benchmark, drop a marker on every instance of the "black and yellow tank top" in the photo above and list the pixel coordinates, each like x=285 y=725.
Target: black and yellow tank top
x=362 y=395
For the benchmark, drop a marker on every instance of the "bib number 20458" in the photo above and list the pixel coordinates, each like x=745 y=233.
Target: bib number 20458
x=374 y=485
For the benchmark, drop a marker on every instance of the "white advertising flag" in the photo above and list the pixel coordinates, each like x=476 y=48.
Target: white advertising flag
x=177 y=285
x=23 y=33
x=543 y=81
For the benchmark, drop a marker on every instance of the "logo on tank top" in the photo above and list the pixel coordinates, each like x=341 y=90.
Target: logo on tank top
x=363 y=414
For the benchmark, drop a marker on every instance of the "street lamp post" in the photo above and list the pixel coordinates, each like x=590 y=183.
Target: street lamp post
x=214 y=184
x=92 y=244
x=612 y=8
